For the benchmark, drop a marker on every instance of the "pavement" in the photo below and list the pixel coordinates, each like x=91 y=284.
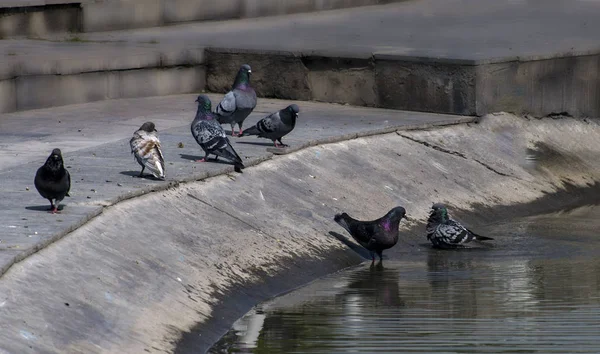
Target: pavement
x=94 y=139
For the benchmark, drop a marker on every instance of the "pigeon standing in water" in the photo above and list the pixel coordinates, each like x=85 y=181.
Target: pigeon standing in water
x=145 y=146
x=53 y=181
x=444 y=232
x=376 y=235
x=238 y=103
x=276 y=125
x=210 y=135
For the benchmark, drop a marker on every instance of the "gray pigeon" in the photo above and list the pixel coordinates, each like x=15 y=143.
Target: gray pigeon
x=376 y=235
x=444 y=232
x=145 y=146
x=276 y=125
x=53 y=181
x=210 y=135
x=238 y=103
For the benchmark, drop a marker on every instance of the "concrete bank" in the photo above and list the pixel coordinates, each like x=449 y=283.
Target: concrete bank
x=171 y=270
x=97 y=153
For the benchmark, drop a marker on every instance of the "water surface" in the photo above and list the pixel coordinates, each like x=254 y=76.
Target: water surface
x=536 y=290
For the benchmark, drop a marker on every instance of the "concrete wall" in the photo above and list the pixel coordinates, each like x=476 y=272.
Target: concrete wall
x=170 y=271
x=541 y=87
x=538 y=87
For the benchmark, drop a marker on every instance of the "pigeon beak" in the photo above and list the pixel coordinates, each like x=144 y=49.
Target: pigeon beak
x=249 y=71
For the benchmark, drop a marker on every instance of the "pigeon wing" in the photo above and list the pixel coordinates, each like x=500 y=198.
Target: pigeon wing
x=146 y=148
x=452 y=233
x=227 y=106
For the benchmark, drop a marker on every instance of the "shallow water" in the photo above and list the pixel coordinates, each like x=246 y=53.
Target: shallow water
x=537 y=289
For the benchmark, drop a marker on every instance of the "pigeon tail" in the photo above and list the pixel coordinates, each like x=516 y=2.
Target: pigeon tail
x=480 y=238
x=341 y=220
x=250 y=131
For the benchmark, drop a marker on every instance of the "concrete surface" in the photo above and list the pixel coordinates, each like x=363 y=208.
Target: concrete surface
x=165 y=271
x=94 y=139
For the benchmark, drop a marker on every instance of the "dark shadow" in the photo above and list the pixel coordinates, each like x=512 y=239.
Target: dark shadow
x=259 y=143
x=45 y=207
x=137 y=174
x=353 y=246
x=221 y=160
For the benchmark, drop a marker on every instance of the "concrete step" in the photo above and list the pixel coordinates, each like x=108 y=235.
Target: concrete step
x=407 y=56
x=38 y=74
x=42 y=17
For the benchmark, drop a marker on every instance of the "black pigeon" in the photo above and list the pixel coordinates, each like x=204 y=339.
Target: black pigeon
x=376 y=235
x=276 y=125
x=238 y=103
x=53 y=181
x=210 y=135
x=444 y=232
x=145 y=146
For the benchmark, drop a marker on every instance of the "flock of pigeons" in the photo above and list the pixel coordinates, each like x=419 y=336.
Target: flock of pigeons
x=53 y=181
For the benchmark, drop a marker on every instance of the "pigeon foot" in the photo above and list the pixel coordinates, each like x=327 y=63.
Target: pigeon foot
x=202 y=160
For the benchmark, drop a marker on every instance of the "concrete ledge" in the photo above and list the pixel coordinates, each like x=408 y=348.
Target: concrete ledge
x=55 y=74
x=532 y=86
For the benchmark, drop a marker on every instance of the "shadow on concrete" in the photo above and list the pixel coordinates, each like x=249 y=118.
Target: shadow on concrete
x=137 y=175
x=259 y=143
x=45 y=207
x=353 y=246
x=221 y=160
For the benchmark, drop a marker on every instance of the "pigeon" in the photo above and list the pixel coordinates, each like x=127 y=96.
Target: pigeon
x=376 y=235
x=53 y=181
x=276 y=125
x=444 y=232
x=210 y=135
x=238 y=103
x=145 y=146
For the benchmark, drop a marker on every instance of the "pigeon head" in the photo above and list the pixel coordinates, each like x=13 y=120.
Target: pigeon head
x=397 y=213
x=204 y=103
x=243 y=76
x=438 y=212
x=289 y=114
x=55 y=160
x=148 y=127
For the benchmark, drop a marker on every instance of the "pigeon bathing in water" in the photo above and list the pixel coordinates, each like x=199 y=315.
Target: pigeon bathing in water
x=276 y=125
x=53 y=181
x=444 y=232
x=376 y=235
x=145 y=146
x=210 y=135
x=238 y=103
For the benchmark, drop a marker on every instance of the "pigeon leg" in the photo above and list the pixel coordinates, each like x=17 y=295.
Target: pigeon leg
x=142 y=173
x=281 y=144
x=240 y=134
x=372 y=258
x=204 y=159
x=233 y=131
x=275 y=143
x=55 y=210
x=51 y=205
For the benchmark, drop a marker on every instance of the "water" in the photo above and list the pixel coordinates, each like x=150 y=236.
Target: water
x=536 y=291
